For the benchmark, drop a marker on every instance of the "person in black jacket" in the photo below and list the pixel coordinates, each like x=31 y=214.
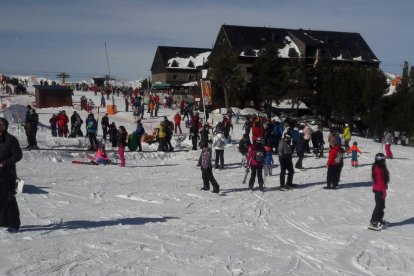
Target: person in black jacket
x=285 y=160
x=32 y=120
x=300 y=149
x=10 y=154
x=105 y=125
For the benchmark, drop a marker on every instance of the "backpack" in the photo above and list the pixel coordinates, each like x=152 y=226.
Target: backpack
x=90 y=125
x=140 y=130
x=259 y=156
x=339 y=158
x=220 y=143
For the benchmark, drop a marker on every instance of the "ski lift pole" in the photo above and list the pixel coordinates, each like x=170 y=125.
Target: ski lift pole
x=109 y=76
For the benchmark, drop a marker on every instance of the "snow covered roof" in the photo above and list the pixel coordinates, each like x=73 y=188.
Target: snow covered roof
x=337 y=45
x=183 y=57
x=190 y=62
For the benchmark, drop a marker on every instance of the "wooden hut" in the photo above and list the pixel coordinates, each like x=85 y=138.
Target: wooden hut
x=53 y=96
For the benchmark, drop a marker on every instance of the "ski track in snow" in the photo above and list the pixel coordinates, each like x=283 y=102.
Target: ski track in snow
x=151 y=218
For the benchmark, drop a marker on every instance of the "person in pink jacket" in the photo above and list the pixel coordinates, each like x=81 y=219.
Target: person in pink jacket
x=380 y=177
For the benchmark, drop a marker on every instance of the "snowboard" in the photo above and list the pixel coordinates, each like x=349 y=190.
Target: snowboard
x=20 y=185
x=245 y=175
x=132 y=142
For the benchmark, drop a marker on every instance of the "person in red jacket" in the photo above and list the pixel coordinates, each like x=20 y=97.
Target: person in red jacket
x=177 y=123
x=257 y=131
x=255 y=161
x=381 y=178
x=63 y=124
x=335 y=164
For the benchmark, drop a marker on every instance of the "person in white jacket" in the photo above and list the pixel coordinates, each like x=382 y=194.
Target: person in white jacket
x=218 y=144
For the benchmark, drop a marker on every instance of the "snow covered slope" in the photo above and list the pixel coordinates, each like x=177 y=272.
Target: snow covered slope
x=150 y=218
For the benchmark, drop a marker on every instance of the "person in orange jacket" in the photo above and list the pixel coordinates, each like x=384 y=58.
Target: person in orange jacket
x=354 y=150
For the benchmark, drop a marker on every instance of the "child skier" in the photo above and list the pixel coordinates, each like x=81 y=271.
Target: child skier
x=354 y=150
x=244 y=148
x=100 y=156
x=268 y=161
x=381 y=178
x=207 y=170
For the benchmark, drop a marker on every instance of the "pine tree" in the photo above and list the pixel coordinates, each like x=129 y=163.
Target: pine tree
x=228 y=83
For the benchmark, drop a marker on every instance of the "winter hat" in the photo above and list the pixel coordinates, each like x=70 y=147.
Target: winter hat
x=301 y=131
x=355 y=143
x=380 y=157
x=268 y=149
x=5 y=122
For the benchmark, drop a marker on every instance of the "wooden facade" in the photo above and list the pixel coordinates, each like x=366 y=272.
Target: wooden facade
x=53 y=96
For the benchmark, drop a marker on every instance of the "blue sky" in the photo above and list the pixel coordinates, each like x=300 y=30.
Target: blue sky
x=46 y=37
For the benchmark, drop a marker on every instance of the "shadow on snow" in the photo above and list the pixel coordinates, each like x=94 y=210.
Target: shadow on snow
x=86 y=224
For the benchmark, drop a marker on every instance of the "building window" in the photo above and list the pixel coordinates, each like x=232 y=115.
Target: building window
x=191 y=77
x=174 y=77
x=249 y=70
x=174 y=63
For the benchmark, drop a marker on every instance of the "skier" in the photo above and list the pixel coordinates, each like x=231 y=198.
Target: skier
x=122 y=142
x=169 y=126
x=354 y=150
x=244 y=145
x=300 y=149
x=105 y=125
x=218 y=144
x=91 y=129
x=388 y=139
x=247 y=126
x=307 y=135
x=10 y=154
x=53 y=124
x=63 y=121
x=381 y=178
x=207 y=170
x=335 y=164
x=76 y=123
x=317 y=141
x=285 y=160
x=100 y=156
x=113 y=134
x=347 y=136
x=139 y=131
x=268 y=161
x=31 y=129
x=255 y=162
x=177 y=123
x=161 y=136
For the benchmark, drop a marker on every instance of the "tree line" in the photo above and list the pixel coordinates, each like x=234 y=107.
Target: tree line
x=337 y=93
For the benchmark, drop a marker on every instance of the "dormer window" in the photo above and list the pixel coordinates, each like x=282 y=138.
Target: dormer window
x=249 y=52
x=191 y=64
x=292 y=53
x=174 y=63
